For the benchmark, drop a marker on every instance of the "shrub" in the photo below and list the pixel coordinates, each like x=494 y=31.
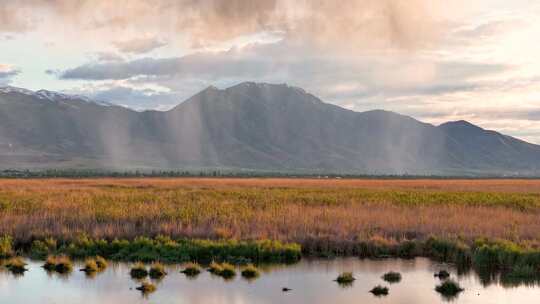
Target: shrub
x=392 y=277
x=191 y=269
x=250 y=272
x=138 y=271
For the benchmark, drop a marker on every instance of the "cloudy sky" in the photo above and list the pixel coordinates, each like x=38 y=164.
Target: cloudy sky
x=435 y=60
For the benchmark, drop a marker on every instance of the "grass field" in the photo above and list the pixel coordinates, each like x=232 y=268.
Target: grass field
x=305 y=211
x=481 y=222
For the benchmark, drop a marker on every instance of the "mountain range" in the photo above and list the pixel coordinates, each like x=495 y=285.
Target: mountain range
x=255 y=126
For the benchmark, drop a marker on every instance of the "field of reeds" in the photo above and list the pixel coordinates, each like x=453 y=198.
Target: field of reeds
x=327 y=216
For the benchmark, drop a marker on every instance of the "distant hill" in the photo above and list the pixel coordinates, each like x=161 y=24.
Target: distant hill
x=248 y=126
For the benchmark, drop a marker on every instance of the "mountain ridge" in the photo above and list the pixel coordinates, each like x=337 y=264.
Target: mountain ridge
x=256 y=126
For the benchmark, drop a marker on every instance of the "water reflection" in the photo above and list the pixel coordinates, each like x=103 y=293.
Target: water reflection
x=310 y=281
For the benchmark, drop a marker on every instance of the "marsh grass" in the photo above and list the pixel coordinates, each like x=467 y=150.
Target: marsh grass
x=345 y=278
x=339 y=214
x=16 y=265
x=442 y=274
x=101 y=263
x=379 y=291
x=157 y=271
x=50 y=263
x=215 y=268
x=392 y=277
x=61 y=264
x=191 y=269
x=90 y=266
x=524 y=272
x=138 y=271
x=250 y=272
x=227 y=271
x=146 y=287
x=439 y=219
x=449 y=288
x=6 y=248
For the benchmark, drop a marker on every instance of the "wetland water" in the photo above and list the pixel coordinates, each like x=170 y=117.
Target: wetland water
x=311 y=282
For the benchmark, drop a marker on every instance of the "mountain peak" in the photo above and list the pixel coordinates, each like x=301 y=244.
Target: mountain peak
x=460 y=124
x=265 y=85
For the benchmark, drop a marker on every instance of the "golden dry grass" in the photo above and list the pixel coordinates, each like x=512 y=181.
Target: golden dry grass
x=298 y=210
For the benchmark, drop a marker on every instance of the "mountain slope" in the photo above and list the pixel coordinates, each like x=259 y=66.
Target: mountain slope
x=250 y=125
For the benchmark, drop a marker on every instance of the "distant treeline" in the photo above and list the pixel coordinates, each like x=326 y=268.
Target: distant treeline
x=97 y=173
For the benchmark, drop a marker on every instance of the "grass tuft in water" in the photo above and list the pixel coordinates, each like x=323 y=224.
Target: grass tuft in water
x=101 y=262
x=157 y=271
x=227 y=271
x=90 y=266
x=191 y=269
x=392 y=277
x=16 y=265
x=138 y=271
x=379 y=290
x=442 y=274
x=63 y=265
x=449 y=288
x=215 y=268
x=345 y=278
x=146 y=287
x=250 y=272
x=50 y=263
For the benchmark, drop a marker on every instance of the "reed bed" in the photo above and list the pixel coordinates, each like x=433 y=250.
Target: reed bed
x=334 y=217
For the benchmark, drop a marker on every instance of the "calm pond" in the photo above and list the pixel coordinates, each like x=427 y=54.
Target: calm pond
x=311 y=282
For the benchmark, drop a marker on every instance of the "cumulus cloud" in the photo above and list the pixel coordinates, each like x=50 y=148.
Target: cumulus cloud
x=277 y=63
x=139 y=45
